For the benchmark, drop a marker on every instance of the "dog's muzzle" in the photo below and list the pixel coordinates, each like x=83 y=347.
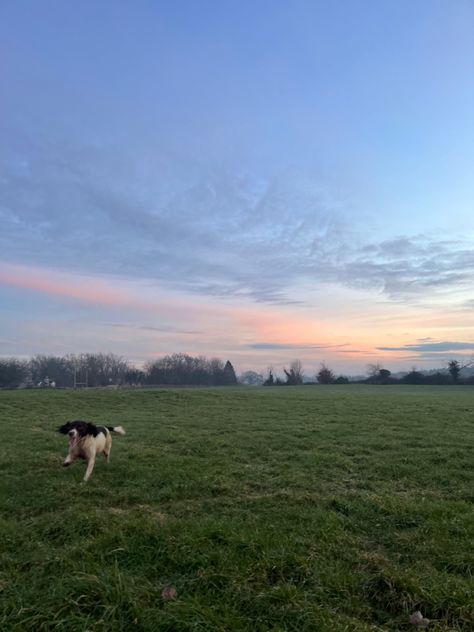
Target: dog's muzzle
x=73 y=437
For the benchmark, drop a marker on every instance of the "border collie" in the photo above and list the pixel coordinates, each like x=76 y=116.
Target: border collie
x=86 y=441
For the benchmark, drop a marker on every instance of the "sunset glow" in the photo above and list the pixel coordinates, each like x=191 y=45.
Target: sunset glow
x=249 y=183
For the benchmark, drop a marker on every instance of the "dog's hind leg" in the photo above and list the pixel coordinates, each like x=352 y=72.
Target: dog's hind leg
x=108 y=448
x=107 y=453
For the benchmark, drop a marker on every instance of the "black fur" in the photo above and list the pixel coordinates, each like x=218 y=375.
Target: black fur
x=83 y=428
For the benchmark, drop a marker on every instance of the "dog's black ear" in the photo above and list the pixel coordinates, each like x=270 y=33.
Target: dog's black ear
x=92 y=430
x=82 y=428
x=64 y=429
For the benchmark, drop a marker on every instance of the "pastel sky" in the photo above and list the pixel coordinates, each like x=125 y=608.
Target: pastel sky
x=257 y=181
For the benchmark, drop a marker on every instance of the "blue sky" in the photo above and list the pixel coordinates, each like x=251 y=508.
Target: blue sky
x=259 y=181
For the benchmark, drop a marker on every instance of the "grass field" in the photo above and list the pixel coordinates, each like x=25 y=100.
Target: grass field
x=304 y=508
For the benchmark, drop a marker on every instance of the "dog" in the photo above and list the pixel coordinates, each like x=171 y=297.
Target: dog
x=86 y=441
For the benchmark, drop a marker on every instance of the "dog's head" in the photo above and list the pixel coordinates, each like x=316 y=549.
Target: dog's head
x=78 y=429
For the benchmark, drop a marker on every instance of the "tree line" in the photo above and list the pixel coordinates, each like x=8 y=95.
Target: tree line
x=180 y=369
x=377 y=374
x=295 y=376
x=106 y=369
x=453 y=374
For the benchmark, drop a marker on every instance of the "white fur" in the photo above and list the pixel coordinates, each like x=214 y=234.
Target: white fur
x=89 y=447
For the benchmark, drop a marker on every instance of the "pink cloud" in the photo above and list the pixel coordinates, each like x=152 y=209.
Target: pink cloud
x=49 y=282
x=141 y=298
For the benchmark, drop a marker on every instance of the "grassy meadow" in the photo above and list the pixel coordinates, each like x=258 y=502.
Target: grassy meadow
x=339 y=508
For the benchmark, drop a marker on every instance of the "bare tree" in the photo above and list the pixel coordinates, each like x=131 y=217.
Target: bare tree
x=182 y=369
x=270 y=380
x=13 y=372
x=325 y=375
x=295 y=375
x=102 y=369
x=56 y=369
x=373 y=370
x=296 y=367
x=454 y=369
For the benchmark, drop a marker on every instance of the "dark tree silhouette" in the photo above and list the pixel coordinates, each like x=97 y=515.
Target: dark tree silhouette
x=295 y=375
x=373 y=370
x=181 y=369
x=59 y=370
x=413 y=377
x=384 y=376
x=135 y=377
x=229 y=374
x=454 y=369
x=13 y=372
x=325 y=375
x=270 y=381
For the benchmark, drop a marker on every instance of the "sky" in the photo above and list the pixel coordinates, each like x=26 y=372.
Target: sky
x=257 y=181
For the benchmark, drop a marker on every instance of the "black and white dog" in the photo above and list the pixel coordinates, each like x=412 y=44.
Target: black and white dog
x=86 y=441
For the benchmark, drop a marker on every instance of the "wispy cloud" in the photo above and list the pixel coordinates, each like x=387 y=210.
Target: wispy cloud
x=278 y=346
x=164 y=329
x=210 y=233
x=168 y=309
x=45 y=281
x=433 y=347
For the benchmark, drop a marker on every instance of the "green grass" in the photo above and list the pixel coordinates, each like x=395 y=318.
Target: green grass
x=307 y=509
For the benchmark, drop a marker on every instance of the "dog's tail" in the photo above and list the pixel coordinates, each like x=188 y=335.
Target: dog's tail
x=117 y=429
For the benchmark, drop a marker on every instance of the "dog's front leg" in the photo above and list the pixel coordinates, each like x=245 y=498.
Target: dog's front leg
x=69 y=460
x=90 y=467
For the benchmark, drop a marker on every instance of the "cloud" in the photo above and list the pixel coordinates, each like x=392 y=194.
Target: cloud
x=204 y=229
x=109 y=292
x=436 y=347
x=411 y=266
x=277 y=346
x=89 y=290
x=163 y=329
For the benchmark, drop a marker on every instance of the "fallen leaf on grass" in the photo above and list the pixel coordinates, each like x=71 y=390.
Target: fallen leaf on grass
x=419 y=620
x=169 y=592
